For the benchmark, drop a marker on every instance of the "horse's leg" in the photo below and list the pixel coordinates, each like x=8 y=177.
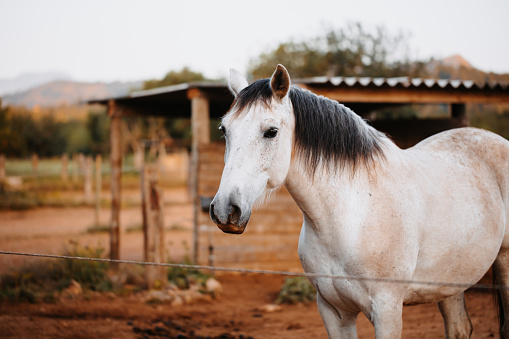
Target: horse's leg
x=387 y=317
x=501 y=272
x=338 y=325
x=456 y=320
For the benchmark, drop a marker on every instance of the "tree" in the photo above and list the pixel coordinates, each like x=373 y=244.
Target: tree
x=98 y=127
x=11 y=127
x=175 y=77
x=349 y=51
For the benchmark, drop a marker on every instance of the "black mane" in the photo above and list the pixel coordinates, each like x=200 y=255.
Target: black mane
x=325 y=131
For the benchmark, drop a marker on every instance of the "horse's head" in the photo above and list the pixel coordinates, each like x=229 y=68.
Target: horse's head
x=258 y=130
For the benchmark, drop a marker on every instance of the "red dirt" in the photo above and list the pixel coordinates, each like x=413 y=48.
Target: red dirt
x=234 y=314
x=49 y=230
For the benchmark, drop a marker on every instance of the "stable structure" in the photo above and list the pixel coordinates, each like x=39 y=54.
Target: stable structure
x=271 y=238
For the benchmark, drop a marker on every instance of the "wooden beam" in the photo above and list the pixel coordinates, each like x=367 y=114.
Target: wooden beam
x=116 y=176
x=410 y=95
x=200 y=131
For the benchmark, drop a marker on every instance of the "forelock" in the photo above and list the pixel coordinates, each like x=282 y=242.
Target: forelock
x=256 y=93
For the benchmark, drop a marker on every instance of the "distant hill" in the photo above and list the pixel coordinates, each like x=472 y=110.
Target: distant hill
x=456 y=61
x=28 y=80
x=458 y=68
x=59 y=93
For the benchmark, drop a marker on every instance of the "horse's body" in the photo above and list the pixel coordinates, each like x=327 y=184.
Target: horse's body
x=436 y=212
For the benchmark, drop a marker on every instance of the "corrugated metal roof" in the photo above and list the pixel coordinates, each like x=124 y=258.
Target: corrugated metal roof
x=178 y=93
x=405 y=82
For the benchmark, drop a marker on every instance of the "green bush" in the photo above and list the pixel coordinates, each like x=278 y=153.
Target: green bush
x=91 y=275
x=184 y=277
x=98 y=228
x=42 y=280
x=17 y=200
x=296 y=290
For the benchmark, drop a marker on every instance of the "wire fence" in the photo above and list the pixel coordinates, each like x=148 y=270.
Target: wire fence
x=269 y=272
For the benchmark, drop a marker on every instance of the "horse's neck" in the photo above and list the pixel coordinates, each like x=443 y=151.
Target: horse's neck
x=345 y=165
x=314 y=193
x=319 y=193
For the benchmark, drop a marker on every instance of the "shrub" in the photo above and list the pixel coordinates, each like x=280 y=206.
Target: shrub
x=16 y=200
x=183 y=277
x=296 y=290
x=90 y=274
x=42 y=280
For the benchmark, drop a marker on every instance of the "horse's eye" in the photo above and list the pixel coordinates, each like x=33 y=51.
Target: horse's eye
x=270 y=133
x=222 y=129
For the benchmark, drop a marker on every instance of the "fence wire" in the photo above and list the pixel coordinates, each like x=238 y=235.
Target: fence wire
x=270 y=272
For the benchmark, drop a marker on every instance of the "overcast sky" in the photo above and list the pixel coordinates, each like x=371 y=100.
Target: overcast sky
x=106 y=40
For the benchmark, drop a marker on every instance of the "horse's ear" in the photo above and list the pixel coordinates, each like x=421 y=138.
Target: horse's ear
x=237 y=82
x=280 y=82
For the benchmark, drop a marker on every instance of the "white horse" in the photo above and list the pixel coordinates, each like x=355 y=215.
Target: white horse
x=436 y=212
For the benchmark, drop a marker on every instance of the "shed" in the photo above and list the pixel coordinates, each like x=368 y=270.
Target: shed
x=271 y=238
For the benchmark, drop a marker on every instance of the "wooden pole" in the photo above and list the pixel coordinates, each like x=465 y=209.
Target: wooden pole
x=64 y=172
x=161 y=156
x=158 y=203
x=153 y=226
x=200 y=131
x=35 y=164
x=148 y=228
x=98 y=186
x=76 y=168
x=144 y=192
x=116 y=175
x=2 y=168
x=81 y=164
x=88 y=179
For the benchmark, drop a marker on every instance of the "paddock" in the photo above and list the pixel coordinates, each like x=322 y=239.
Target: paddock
x=237 y=311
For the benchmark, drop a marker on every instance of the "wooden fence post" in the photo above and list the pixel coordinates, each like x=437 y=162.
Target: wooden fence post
x=76 y=168
x=88 y=179
x=2 y=168
x=116 y=174
x=64 y=172
x=200 y=130
x=98 y=186
x=81 y=164
x=35 y=164
x=153 y=226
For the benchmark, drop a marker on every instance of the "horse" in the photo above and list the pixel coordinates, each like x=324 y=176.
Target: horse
x=436 y=212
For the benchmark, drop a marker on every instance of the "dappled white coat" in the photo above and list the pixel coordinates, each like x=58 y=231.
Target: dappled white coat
x=436 y=212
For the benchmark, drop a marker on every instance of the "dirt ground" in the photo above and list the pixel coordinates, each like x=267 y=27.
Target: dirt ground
x=50 y=230
x=236 y=313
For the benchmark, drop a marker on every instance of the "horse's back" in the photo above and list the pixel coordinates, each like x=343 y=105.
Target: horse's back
x=474 y=148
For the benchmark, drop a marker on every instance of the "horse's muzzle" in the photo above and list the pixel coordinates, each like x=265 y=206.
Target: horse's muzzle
x=232 y=223
x=232 y=229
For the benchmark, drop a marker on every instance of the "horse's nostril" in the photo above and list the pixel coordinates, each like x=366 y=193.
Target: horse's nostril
x=234 y=216
x=213 y=215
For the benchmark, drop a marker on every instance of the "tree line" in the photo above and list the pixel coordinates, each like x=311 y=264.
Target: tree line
x=23 y=132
